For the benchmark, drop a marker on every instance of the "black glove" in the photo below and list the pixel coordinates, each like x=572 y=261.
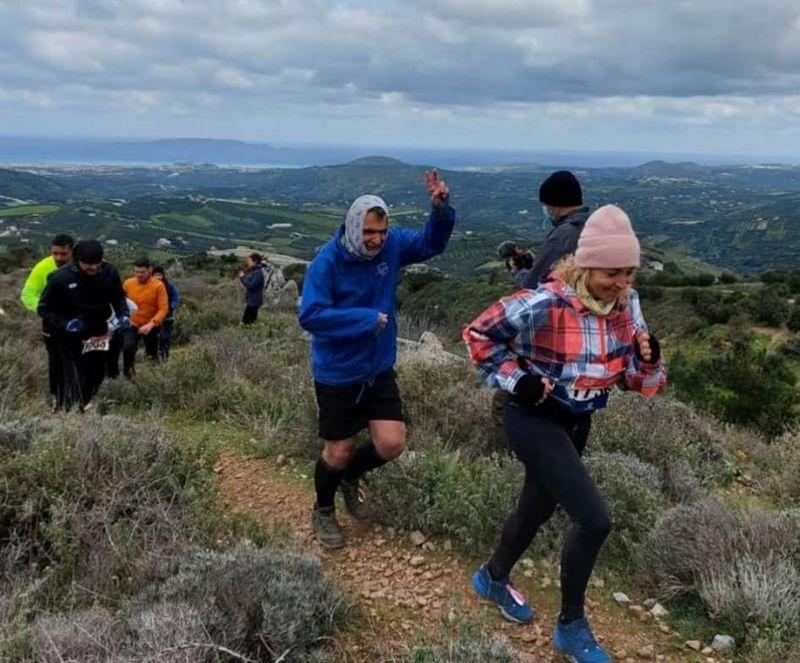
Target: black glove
x=529 y=389
x=655 y=350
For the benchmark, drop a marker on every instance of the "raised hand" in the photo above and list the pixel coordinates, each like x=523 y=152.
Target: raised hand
x=437 y=188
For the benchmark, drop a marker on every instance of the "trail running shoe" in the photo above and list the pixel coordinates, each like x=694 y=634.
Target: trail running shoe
x=576 y=641
x=511 y=603
x=326 y=527
x=355 y=499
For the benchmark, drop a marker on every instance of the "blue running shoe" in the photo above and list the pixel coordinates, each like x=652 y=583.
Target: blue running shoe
x=512 y=604
x=576 y=641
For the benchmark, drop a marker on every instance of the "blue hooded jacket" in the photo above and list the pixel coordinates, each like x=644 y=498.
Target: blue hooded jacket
x=343 y=295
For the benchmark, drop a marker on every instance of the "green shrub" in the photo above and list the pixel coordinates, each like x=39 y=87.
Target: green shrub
x=438 y=492
x=95 y=507
x=443 y=402
x=743 y=566
x=669 y=435
x=471 y=643
x=245 y=603
x=633 y=492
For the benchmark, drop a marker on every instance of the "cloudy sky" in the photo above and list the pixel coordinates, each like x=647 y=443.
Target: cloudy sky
x=710 y=76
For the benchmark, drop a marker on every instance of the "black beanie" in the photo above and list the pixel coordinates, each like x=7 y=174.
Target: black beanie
x=89 y=251
x=561 y=189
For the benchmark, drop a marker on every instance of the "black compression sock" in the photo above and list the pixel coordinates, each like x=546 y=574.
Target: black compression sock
x=326 y=481
x=365 y=458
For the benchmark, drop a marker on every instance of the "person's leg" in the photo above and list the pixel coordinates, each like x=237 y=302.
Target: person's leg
x=500 y=439
x=383 y=409
x=339 y=420
x=250 y=315
x=165 y=339
x=53 y=363
x=130 y=343
x=113 y=354
x=330 y=469
x=70 y=360
x=388 y=441
x=92 y=369
x=64 y=382
x=151 y=343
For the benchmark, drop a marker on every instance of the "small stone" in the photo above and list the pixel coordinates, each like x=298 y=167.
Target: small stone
x=447 y=545
x=707 y=651
x=546 y=582
x=622 y=599
x=597 y=582
x=646 y=652
x=528 y=573
x=428 y=545
x=723 y=643
x=711 y=660
x=645 y=617
x=280 y=459
x=527 y=563
x=620 y=654
x=636 y=609
x=659 y=611
x=694 y=644
x=422 y=601
x=664 y=629
x=417 y=538
x=417 y=560
x=649 y=603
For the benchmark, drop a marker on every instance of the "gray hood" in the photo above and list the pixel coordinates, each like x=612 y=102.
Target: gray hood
x=353 y=237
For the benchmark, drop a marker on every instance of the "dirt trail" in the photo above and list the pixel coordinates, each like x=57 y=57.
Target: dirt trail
x=406 y=591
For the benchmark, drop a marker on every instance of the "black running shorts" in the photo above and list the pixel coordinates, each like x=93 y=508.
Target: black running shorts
x=345 y=410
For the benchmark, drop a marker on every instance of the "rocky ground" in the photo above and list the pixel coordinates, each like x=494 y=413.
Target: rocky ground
x=408 y=586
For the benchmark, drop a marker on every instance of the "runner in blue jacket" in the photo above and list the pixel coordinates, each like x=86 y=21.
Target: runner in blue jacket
x=348 y=306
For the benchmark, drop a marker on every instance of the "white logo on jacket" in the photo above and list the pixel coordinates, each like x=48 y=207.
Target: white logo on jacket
x=383 y=269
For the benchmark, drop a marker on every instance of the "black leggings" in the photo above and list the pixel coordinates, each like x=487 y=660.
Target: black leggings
x=250 y=315
x=549 y=441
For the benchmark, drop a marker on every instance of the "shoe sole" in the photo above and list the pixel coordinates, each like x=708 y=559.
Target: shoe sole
x=331 y=546
x=570 y=657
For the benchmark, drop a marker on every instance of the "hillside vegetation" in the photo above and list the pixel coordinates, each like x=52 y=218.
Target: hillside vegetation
x=115 y=543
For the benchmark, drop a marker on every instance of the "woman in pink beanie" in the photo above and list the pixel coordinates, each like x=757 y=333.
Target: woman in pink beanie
x=559 y=351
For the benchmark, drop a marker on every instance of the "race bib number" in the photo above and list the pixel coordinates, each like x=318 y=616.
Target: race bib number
x=96 y=344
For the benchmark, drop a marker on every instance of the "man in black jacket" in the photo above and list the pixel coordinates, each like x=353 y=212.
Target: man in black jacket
x=76 y=306
x=562 y=203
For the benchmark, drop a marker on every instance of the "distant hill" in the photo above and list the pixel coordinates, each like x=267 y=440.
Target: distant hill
x=377 y=161
x=20 y=185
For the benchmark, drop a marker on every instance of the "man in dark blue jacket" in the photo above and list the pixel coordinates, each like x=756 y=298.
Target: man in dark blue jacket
x=562 y=205
x=75 y=308
x=252 y=278
x=348 y=306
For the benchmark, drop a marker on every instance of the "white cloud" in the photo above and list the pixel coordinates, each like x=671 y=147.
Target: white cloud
x=229 y=77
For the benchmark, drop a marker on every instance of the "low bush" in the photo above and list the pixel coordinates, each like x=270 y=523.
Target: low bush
x=242 y=604
x=743 y=566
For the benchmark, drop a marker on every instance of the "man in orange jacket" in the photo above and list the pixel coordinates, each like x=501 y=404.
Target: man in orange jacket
x=152 y=301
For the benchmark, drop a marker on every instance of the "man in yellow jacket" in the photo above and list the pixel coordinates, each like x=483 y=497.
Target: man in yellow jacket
x=60 y=254
x=152 y=301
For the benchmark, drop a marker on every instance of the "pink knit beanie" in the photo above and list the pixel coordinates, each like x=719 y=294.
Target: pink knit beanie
x=607 y=240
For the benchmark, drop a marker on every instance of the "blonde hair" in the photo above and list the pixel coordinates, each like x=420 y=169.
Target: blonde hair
x=568 y=271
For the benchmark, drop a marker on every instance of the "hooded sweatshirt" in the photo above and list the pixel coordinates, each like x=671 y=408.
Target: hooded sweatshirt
x=344 y=291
